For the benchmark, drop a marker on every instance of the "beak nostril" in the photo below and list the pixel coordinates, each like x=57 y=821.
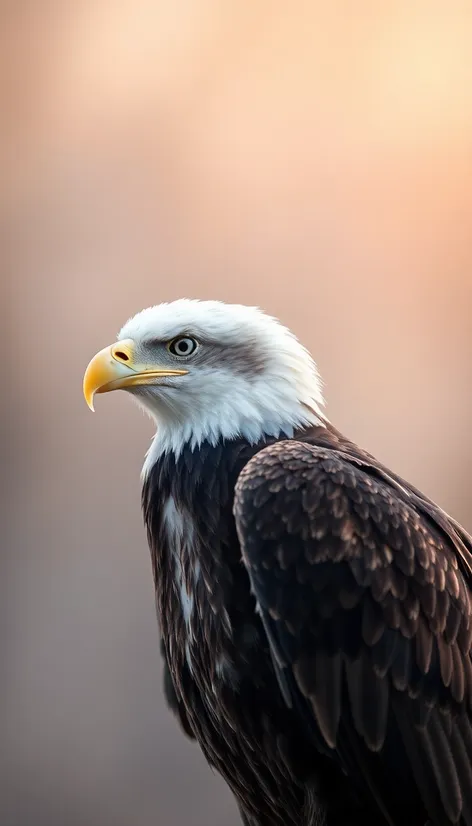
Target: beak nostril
x=122 y=351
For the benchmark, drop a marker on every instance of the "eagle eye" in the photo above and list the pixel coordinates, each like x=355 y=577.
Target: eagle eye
x=182 y=346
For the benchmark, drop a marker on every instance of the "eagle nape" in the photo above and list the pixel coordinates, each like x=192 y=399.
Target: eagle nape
x=314 y=608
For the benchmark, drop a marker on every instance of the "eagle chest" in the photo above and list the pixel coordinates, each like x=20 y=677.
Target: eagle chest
x=194 y=616
x=221 y=669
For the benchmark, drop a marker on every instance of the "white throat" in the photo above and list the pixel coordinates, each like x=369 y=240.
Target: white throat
x=224 y=411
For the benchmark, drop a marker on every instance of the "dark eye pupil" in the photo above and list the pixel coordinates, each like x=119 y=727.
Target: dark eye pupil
x=182 y=346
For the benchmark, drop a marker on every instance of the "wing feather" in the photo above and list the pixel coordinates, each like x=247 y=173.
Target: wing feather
x=364 y=589
x=319 y=678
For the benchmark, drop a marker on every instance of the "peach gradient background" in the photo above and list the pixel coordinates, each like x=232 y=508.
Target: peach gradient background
x=314 y=158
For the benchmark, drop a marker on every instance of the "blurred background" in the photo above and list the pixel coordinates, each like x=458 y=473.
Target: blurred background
x=314 y=158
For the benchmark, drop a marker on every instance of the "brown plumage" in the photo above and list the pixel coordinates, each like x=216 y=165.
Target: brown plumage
x=393 y=654
x=351 y=685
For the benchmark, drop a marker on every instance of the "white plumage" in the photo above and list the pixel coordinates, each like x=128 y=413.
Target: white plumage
x=222 y=397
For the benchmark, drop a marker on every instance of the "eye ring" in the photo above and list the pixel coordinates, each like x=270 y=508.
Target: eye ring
x=182 y=346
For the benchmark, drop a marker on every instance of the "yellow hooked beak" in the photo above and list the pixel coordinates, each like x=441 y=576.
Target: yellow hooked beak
x=114 y=368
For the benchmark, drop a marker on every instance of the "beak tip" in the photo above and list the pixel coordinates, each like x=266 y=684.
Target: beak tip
x=89 y=397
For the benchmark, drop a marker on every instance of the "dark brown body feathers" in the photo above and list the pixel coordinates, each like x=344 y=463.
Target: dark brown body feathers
x=327 y=676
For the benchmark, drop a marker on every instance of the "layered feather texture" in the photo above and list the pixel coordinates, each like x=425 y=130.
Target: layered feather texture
x=368 y=603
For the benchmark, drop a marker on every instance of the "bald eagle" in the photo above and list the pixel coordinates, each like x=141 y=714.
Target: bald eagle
x=314 y=608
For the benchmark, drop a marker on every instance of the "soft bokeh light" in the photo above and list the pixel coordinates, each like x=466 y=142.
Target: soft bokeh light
x=314 y=158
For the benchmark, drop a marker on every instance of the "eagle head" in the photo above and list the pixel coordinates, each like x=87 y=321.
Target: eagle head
x=206 y=371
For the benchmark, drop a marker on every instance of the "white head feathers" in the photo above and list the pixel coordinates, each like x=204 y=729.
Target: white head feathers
x=248 y=376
